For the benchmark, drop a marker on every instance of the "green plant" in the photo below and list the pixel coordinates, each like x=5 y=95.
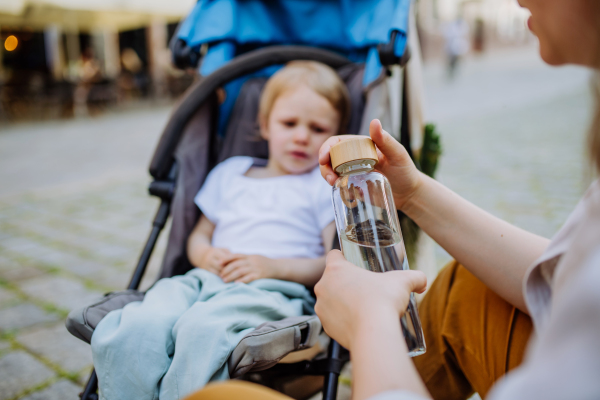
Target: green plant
x=431 y=150
x=427 y=162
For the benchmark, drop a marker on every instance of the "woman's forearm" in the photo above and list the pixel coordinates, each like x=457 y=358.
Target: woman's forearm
x=380 y=359
x=495 y=251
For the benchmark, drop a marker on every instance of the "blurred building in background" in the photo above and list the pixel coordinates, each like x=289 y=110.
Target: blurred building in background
x=63 y=58
x=60 y=58
x=492 y=23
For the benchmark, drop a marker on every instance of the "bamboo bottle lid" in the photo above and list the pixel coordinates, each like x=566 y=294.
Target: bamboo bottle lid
x=353 y=149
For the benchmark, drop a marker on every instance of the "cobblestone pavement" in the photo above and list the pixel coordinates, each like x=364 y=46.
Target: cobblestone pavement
x=513 y=132
x=74 y=215
x=74 y=211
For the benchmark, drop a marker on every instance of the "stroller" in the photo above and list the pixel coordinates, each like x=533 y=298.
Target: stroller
x=237 y=45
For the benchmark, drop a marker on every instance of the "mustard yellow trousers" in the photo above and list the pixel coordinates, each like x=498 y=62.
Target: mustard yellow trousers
x=473 y=338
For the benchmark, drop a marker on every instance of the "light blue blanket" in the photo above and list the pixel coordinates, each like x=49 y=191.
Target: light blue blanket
x=180 y=337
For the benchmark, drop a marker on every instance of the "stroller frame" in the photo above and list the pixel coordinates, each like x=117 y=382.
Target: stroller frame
x=164 y=171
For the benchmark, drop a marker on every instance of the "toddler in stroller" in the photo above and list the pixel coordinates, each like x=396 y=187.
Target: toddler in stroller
x=261 y=238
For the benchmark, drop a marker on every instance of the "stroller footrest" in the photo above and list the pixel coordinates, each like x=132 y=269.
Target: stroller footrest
x=82 y=322
x=272 y=341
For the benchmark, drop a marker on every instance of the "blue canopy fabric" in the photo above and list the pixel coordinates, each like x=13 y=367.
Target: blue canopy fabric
x=353 y=28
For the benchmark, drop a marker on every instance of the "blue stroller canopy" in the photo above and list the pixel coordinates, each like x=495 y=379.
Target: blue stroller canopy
x=353 y=28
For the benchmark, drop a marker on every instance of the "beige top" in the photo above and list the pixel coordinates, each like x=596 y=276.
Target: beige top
x=562 y=291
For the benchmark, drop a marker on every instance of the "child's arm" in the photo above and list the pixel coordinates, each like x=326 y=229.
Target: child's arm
x=307 y=271
x=200 y=252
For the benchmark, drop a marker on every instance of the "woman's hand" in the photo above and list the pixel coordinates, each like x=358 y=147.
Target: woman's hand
x=350 y=298
x=247 y=268
x=215 y=259
x=394 y=163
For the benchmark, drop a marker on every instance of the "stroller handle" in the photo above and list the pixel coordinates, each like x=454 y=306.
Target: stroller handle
x=199 y=92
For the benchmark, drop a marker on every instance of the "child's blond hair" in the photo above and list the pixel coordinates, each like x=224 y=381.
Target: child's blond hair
x=318 y=77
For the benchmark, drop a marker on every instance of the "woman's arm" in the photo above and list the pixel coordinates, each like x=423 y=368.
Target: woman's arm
x=307 y=271
x=361 y=310
x=380 y=359
x=495 y=251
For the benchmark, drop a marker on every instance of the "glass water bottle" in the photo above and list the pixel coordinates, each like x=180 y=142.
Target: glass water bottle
x=367 y=222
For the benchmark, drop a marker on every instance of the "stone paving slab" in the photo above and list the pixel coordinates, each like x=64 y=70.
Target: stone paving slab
x=61 y=390
x=7 y=263
x=6 y=296
x=112 y=278
x=20 y=371
x=65 y=293
x=106 y=147
x=62 y=259
x=58 y=346
x=21 y=273
x=4 y=345
x=22 y=316
x=85 y=246
x=21 y=245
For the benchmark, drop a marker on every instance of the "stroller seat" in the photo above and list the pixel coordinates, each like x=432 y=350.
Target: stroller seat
x=216 y=120
x=260 y=349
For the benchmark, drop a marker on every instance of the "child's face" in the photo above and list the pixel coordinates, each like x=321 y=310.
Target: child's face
x=299 y=123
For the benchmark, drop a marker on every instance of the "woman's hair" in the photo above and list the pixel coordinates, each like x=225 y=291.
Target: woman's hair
x=594 y=135
x=316 y=76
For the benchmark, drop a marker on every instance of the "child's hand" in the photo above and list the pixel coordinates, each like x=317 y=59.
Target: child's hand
x=247 y=268
x=394 y=163
x=215 y=259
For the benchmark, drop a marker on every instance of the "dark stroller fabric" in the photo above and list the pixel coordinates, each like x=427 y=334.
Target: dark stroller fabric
x=242 y=137
x=200 y=150
x=82 y=322
x=194 y=161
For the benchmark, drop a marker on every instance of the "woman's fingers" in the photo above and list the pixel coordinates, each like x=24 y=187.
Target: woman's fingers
x=328 y=173
x=389 y=147
x=336 y=274
x=325 y=161
x=334 y=261
x=329 y=143
x=413 y=281
x=335 y=257
x=347 y=295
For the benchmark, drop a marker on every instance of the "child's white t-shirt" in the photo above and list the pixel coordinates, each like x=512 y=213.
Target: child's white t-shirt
x=278 y=217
